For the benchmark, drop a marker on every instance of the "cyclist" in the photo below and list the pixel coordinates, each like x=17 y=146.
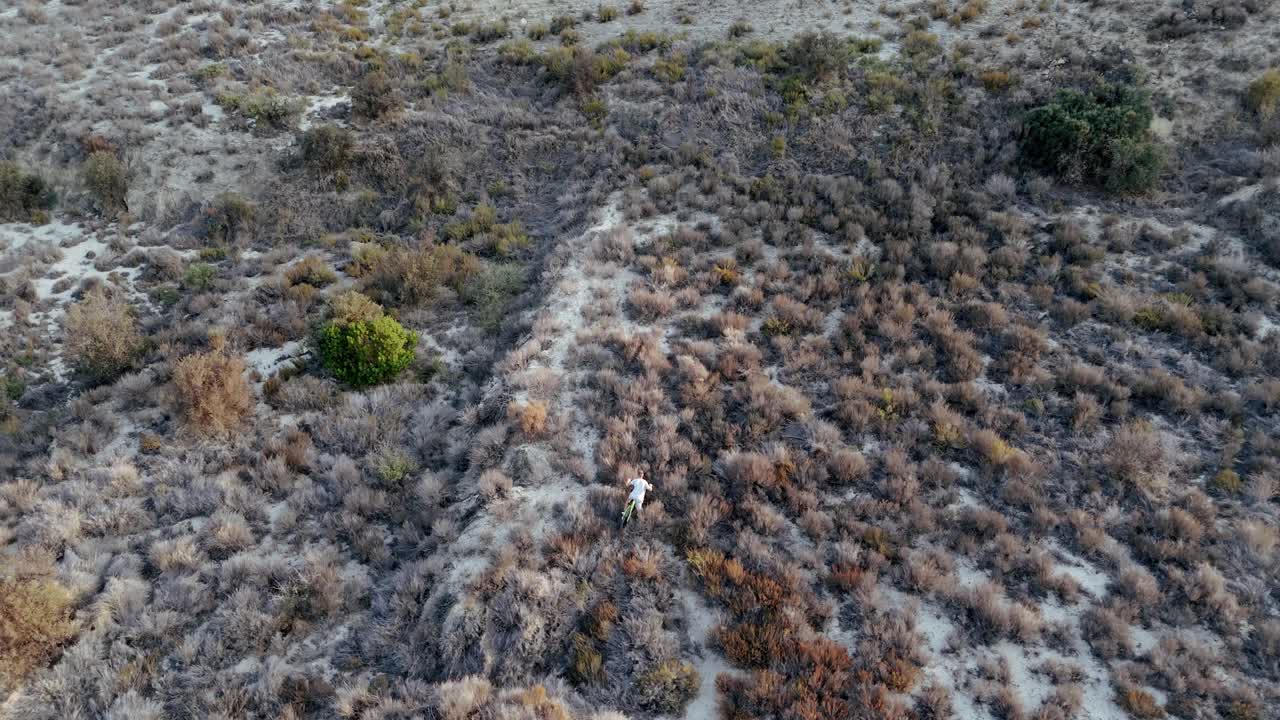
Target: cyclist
x=639 y=486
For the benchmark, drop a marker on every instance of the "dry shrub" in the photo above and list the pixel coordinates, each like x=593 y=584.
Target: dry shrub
x=212 y=390
x=1136 y=456
x=35 y=620
x=648 y=305
x=846 y=466
x=999 y=454
x=1138 y=703
x=530 y=417
x=1107 y=633
x=414 y=277
x=615 y=246
x=494 y=483
x=311 y=270
x=102 y=337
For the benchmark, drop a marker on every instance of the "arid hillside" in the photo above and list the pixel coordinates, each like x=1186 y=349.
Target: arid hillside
x=947 y=333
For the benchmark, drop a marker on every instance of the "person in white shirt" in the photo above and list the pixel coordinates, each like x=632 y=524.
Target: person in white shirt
x=639 y=486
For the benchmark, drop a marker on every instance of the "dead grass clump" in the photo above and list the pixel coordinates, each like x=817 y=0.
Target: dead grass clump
x=1135 y=455
x=846 y=466
x=1107 y=633
x=35 y=620
x=102 y=338
x=649 y=305
x=617 y=246
x=212 y=390
x=1138 y=703
x=530 y=417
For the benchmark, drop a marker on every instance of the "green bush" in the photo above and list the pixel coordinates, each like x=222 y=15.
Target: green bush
x=1102 y=136
x=818 y=56
x=1263 y=95
x=23 y=196
x=105 y=178
x=199 y=276
x=268 y=110
x=361 y=346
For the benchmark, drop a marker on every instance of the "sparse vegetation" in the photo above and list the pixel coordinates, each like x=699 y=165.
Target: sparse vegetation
x=334 y=419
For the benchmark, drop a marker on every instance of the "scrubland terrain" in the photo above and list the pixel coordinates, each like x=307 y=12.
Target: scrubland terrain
x=945 y=331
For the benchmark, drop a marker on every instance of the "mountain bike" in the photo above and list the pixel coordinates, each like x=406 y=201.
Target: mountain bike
x=628 y=511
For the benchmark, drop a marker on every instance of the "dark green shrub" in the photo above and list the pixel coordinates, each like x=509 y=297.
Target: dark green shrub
x=199 y=276
x=375 y=96
x=105 y=178
x=361 y=346
x=1135 y=166
x=1102 y=136
x=327 y=151
x=227 y=216
x=23 y=196
x=817 y=56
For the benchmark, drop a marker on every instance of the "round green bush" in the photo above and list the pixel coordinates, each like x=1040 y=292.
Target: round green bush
x=366 y=352
x=1102 y=136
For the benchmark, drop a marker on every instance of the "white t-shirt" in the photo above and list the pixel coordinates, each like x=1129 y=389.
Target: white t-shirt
x=638 y=488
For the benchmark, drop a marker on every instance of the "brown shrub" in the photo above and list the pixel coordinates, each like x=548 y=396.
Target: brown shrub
x=102 y=337
x=1136 y=456
x=1138 y=703
x=649 y=305
x=414 y=277
x=35 y=620
x=212 y=391
x=530 y=417
x=847 y=466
